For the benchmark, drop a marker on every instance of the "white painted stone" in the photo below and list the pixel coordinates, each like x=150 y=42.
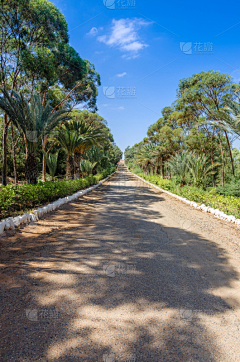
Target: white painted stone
x=24 y=218
x=2 y=226
x=9 y=223
x=222 y=215
x=33 y=217
x=232 y=218
x=16 y=221
x=215 y=212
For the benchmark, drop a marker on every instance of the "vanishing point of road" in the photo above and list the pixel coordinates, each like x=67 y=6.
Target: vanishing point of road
x=125 y=273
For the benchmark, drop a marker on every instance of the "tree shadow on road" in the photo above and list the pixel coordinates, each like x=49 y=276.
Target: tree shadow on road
x=112 y=286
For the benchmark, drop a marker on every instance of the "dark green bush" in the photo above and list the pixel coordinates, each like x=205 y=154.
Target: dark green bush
x=232 y=189
x=19 y=198
x=229 y=204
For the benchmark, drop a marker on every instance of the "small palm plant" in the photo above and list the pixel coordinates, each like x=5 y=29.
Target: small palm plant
x=96 y=155
x=87 y=167
x=51 y=160
x=89 y=137
x=179 y=166
x=34 y=120
x=200 y=167
x=145 y=159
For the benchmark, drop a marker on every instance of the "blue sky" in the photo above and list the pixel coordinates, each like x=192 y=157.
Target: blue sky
x=139 y=48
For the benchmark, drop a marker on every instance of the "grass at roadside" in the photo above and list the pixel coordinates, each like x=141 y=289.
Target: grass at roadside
x=22 y=198
x=230 y=205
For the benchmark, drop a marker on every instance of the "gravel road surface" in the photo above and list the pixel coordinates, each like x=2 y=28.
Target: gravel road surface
x=125 y=273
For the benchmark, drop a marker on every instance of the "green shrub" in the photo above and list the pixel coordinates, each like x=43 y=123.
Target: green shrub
x=14 y=199
x=230 y=205
x=232 y=189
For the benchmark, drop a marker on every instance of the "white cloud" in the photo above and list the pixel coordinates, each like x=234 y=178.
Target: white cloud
x=121 y=75
x=124 y=35
x=121 y=108
x=93 y=32
x=135 y=46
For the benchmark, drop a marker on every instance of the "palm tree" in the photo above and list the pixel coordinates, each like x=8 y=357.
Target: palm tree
x=86 y=166
x=145 y=158
x=179 y=166
x=89 y=137
x=158 y=159
x=228 y=120
x=34 y=120
x=69 y=140
x=231 y=116
x=200 y=167
x=51 y=160
x=96 y=155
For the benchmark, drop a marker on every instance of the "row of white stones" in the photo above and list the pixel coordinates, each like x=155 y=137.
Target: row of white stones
x=217 y=213
x=14 y=222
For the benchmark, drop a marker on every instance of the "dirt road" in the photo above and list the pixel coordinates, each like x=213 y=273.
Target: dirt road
x=124 y=274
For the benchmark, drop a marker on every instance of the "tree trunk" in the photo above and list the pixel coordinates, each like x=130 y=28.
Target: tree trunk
x=26 y=146
x=230 y=151
x=69 y=167
x=77 y=159
x=162 y=168
x=223 y=167
x=14 y=156
x=4 y=162
x=213 y=176
x=31 y=171
x=44 y=145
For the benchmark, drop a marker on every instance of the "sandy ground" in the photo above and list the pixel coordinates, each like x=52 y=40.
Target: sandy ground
x=125 y=273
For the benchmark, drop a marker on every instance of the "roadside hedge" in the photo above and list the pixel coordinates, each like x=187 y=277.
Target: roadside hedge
x=230 y=205
x=21 y=198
